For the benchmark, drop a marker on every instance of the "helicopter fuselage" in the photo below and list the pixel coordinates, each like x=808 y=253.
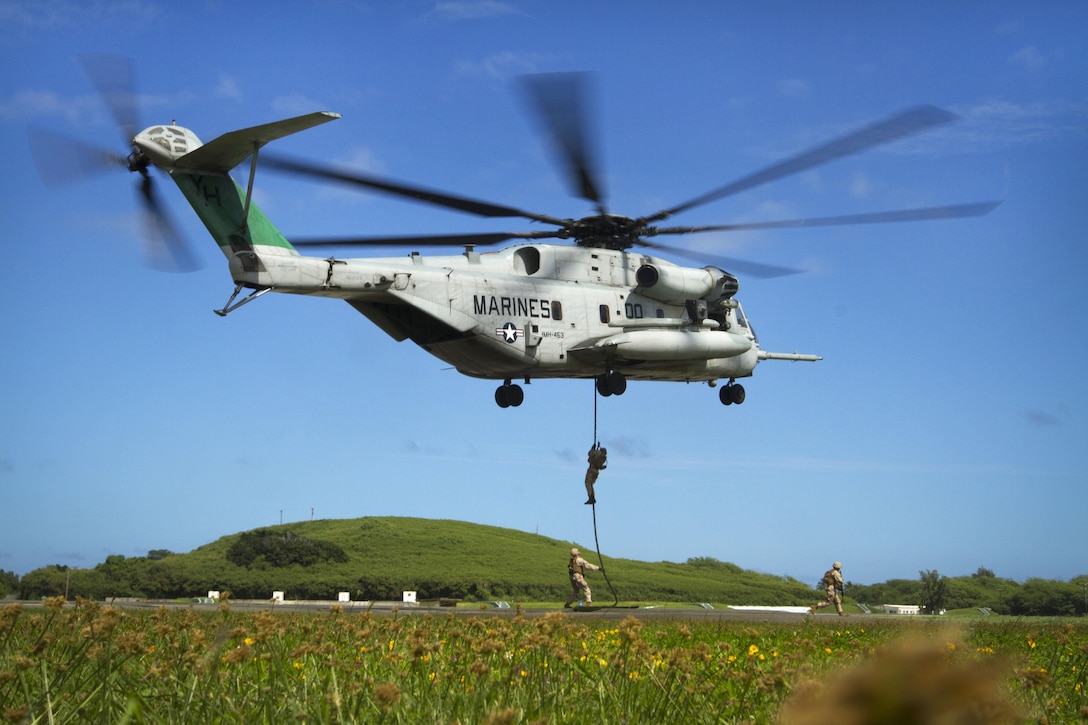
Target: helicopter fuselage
x=527 y=311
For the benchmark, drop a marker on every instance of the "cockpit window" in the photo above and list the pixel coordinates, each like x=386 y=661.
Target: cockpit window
x=741 y=319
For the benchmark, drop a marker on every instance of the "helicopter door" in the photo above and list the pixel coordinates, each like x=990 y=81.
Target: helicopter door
x=532 y=333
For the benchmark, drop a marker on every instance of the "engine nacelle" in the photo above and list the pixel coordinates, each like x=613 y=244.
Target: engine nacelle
x=676 y=285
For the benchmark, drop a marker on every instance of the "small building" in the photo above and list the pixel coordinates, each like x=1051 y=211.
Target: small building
x=902 y=609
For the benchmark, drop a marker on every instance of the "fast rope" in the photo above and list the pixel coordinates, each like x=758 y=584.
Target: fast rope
x=604 y=572
x=593 y=504
x=594 y=414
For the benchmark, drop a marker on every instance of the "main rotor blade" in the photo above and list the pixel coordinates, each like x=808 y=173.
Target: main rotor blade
x=165 y=248
x=112 y=77
x=432 y=240
x=953 y=211
x=417 y=193
x=559 y=102
x=729 y=264
x=904 y=124
x=61 y=160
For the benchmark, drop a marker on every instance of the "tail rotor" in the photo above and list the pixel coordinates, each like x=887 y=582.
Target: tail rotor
x=61 y=160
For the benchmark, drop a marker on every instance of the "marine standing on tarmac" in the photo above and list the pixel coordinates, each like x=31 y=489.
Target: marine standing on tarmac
x=833 y=582
x=579 y=588
x=597 y=457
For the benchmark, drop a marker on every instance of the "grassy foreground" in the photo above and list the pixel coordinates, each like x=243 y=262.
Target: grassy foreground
x=95 y=663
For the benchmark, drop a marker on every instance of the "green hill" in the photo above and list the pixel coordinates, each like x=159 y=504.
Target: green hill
x=377 y=558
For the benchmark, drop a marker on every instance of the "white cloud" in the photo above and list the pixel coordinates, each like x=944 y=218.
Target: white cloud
x=296 y=104
x=998 y=122
x=455 y=10
x=364 y=160
x=1028 y=57
x=793 y=88
x=228 y=88
x=26 y=16
x=860 y=186
x=504 y=64
x=36 y=104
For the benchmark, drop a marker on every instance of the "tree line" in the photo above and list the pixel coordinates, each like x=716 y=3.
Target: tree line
x=935 y=593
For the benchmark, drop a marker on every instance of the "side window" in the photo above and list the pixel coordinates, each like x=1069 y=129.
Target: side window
x=557 y=310
x=605 y=315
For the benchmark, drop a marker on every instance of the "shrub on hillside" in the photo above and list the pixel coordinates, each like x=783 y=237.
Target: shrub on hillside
x=281 y=548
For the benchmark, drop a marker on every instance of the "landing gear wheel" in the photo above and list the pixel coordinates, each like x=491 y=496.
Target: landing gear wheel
x=602 y=386
x=509 y=396
x=732 y=394
x=613 y=383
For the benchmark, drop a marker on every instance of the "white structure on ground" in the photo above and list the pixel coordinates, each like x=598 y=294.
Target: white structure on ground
x=902 y=609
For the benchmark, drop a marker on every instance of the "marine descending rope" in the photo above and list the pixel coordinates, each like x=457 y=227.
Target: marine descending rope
x=593 y=503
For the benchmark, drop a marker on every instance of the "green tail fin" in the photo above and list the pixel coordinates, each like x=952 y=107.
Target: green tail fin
x=220 y=204
x=203 y=176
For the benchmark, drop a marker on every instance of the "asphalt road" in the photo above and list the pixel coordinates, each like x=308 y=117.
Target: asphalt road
x=604 y=612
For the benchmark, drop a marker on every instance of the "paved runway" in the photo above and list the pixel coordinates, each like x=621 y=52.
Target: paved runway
x=600 y=612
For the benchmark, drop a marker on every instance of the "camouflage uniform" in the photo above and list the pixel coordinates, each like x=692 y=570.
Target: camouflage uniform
x=833 y=581
x=579 y=588
x=597 y=457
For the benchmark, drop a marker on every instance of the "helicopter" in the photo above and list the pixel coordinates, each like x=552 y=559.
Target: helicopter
x=598 y=305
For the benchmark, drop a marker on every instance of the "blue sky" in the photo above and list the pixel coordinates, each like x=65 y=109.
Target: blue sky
x=944 y=428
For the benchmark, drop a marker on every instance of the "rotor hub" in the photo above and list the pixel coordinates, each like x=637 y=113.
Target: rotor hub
x=606 y=231
x=138 y=161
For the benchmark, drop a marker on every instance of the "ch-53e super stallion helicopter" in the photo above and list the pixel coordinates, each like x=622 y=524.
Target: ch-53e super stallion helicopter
x=599 y=309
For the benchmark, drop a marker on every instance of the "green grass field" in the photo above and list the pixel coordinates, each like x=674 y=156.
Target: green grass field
x=94 y=663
